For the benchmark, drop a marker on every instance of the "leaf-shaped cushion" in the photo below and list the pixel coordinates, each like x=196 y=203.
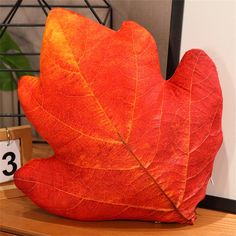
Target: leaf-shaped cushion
x=128 y=144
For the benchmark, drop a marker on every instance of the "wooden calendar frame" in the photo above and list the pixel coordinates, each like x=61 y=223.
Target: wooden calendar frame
x=23 y=133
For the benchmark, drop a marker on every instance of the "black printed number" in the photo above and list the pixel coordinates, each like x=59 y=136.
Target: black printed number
x=11 y=162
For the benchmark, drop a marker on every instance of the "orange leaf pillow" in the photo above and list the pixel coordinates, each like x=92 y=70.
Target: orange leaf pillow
x=128 y=144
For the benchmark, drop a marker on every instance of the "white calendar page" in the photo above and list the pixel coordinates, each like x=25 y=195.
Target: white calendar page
x=10 y=159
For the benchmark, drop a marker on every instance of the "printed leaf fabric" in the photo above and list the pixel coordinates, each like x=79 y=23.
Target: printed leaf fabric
x=128 y=144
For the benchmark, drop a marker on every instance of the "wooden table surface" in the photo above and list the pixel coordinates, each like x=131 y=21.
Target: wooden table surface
x=20 y=216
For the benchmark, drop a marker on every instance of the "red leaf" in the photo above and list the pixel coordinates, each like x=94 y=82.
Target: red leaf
x=128 y=144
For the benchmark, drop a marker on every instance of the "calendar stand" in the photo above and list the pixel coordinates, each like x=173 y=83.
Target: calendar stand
x=23 y=134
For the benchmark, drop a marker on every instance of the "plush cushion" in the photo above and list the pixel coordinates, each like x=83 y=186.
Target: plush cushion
x=128 y=144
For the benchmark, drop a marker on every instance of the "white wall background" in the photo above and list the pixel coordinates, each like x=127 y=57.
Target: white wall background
x=211 y=26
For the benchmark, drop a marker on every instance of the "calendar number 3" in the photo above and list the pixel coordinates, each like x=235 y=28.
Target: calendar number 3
x=10 y=162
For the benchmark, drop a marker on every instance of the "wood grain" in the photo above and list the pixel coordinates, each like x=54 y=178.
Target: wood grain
x=41 y=150
x=6 y=234
x=20 y=216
